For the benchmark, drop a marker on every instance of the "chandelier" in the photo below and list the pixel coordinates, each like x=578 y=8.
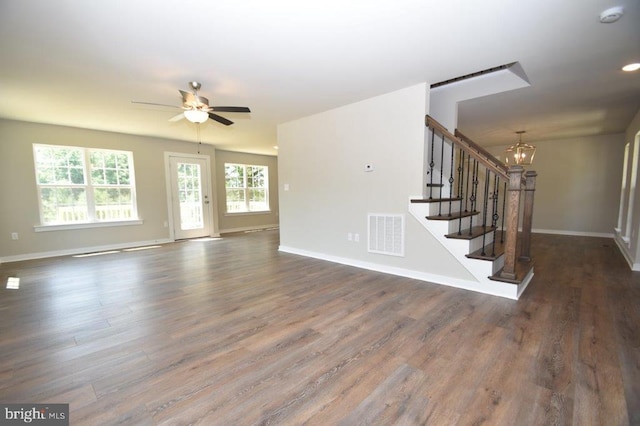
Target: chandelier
x=520 y=153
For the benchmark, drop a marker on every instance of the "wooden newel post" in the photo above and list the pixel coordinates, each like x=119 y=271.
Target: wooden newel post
x=511 y=222
x=527 y=217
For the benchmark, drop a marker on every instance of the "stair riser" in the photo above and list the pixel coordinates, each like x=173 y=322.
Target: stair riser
x=437 y=192
x=498 y=264
x=467 y=222
x=454 y=225
x=434 y=208
x=477 y=243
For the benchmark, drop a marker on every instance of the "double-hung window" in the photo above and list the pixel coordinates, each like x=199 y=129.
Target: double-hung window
x=247 y=188
x=82 y=185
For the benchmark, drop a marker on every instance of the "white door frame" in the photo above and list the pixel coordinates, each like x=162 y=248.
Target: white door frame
x=206 y=174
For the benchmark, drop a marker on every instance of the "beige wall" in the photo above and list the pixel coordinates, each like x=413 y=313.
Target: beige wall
x=18 y=196
x=240 y=222
x=578 y=184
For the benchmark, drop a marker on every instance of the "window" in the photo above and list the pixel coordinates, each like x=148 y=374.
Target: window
x=246 y=188
x=81 y=185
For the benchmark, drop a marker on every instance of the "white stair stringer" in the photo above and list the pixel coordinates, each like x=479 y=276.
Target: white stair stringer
x=459 y=248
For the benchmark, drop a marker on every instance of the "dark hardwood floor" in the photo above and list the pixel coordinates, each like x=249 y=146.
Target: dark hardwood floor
x=232 y=332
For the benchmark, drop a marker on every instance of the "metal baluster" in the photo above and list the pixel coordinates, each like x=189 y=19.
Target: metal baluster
x=451 y=180
x=460 y=186
x=466 y=198
x=494 y=212
x=504 y=201
x=474 y=193
x=431 y=164
x=441 y=172
x=484 y=208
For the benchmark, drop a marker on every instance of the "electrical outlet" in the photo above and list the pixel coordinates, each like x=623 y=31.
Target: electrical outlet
x=356 y=237
x=349 y=236
x=14 y=235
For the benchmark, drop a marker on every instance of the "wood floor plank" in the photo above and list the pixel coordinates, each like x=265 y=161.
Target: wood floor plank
x=596 y=369
x=395 y=401
x=233 y=332
x=624 y=306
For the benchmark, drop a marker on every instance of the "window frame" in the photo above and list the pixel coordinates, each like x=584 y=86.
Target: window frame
x=245 y=189
x=89 y=187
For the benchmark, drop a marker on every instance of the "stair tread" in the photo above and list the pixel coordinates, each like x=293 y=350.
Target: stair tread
x=434 y=200
x=522 y=271
x=435 y=185
x=476 y=231
x=452 y=216
x=490 y=252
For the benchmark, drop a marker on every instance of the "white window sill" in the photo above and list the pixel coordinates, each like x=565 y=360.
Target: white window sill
x=248 y=213
x=45 y=228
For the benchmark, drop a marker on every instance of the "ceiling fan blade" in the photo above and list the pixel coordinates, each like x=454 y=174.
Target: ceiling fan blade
x=219 y=119
x=189 y=99
x=230 y=109
x=177 y=117
x=155 y=104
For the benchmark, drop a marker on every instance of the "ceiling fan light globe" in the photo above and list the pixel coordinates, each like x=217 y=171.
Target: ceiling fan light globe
x=196 y=115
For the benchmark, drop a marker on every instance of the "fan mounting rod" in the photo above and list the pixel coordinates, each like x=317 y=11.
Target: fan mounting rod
x=195 y=86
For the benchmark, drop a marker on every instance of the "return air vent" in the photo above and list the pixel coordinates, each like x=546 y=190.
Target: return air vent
x=386 y=234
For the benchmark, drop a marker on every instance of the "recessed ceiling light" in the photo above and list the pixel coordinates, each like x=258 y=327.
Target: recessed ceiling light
x=631 y=67
x=275 y=147
x=611 y=15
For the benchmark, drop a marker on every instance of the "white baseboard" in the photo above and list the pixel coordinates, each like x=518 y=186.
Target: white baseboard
x=248 y=228
x=407 y=273
x=81 y=250
x=573 y=233
x=624 y=249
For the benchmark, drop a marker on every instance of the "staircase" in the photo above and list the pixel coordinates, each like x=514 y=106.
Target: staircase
x=472 y=205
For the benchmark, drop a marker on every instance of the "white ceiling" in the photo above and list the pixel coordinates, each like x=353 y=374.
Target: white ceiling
x=81 y=63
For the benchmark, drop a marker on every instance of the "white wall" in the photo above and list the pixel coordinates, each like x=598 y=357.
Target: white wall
x=630 y=225
x=322 y=158
x=578 y=184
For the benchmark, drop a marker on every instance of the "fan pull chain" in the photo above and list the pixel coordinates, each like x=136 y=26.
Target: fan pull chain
x=198 y=133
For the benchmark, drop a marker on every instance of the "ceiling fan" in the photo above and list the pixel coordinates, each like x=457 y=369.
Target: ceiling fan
x=196 y=108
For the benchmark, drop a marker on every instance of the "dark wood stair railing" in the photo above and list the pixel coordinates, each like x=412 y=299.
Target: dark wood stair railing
x=464 y=175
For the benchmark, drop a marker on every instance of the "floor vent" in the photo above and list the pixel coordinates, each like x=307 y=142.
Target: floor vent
x=386 y=234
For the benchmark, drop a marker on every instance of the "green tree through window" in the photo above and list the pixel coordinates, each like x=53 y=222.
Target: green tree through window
x=246 y=188
x=81 y=185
